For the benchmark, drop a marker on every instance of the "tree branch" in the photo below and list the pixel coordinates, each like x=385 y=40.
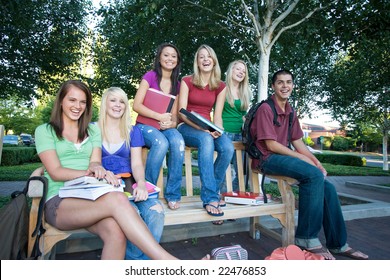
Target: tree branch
x=220 y=15
x=287 y=12
x=283 y=15
x=256 y=24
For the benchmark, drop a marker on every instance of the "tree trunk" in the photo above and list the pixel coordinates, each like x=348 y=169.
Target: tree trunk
x=263 y=76
x=385 y=161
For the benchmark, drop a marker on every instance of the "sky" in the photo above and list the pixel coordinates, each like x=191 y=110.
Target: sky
x=321 y=118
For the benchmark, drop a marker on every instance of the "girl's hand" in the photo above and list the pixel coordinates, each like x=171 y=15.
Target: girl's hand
x=112 y=179
x=140 y=193
x=215 y=134
x=96 y=170
x=166 y=117
x=100 y=172
x=165 y=125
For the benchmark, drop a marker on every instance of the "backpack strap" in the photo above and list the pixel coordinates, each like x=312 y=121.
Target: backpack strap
x=271 y=103
x=290 y=121
x=39 y=229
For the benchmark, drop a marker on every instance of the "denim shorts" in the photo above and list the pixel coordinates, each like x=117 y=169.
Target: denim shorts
x=51 y=207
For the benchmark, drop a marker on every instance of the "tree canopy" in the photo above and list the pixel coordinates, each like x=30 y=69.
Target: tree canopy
x=338 y=50
x=40 y=44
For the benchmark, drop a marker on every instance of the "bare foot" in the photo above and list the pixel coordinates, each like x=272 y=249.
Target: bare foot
x=206 y=258
x=322 y=251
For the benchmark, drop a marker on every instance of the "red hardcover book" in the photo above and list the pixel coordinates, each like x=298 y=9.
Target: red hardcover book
x=157 y=101
x=250 y=198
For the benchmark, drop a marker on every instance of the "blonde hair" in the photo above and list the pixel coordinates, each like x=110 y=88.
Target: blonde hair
x=244 y=91
x=125 y=121
x=215 y=77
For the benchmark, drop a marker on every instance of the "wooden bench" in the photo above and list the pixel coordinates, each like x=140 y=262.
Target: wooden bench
x=191 y=210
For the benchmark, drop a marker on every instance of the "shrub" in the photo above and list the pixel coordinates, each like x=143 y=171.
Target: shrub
x=326 y=142
x=308 y=141
x=18 y=155
x=341 y=143
x=349 y=160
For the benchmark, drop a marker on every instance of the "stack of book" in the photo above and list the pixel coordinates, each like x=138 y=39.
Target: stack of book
x=87 y=187
x=246 y=198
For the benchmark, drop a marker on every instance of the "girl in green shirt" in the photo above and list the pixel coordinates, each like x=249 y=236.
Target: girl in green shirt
x=238 y=96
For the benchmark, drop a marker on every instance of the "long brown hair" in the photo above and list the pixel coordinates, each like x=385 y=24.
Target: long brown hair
x=56 y=120
x=176 y=71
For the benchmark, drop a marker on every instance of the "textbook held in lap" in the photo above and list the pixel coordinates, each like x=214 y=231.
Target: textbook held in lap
x=84 y=180
x=157 y=101
x=87 y=187
x=201 y=121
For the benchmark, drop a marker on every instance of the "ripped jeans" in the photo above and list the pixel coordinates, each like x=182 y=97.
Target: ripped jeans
x=158 y=142
x=152 y=212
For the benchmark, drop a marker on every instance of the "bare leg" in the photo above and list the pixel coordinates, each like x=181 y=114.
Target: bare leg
x=79 y=213
x=113 y=238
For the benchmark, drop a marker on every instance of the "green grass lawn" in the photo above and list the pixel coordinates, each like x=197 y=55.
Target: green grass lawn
x=368 y=154
x=17 y=172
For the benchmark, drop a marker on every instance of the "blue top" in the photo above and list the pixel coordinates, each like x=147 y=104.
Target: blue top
x=120 y=161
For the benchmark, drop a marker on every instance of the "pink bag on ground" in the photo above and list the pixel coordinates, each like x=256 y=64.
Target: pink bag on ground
x=292 y=252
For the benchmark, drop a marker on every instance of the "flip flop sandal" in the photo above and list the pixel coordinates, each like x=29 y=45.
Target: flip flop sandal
x=351 y=253
x=211 y=213
x=174 y=205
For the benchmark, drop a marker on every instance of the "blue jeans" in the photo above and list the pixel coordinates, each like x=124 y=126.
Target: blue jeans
x=212 y=173
x=158 y=142
x=152 y=212
x=233 y=137
x=318 y=202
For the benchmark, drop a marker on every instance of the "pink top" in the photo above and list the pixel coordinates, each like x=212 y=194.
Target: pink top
x=151 y=78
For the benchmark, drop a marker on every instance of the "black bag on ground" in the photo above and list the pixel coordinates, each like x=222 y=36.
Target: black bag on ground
x=14 y=225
